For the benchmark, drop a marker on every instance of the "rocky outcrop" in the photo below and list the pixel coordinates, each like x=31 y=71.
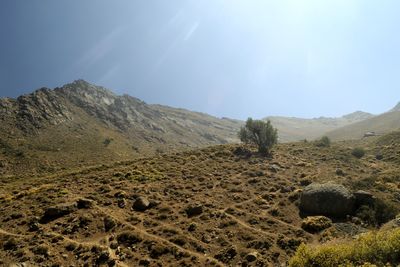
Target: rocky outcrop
x=329 y=199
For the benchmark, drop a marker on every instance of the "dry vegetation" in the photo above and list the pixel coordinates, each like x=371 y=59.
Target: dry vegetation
x=221 y=206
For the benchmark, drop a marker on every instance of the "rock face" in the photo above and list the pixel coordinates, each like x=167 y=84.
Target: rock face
x=327 y=199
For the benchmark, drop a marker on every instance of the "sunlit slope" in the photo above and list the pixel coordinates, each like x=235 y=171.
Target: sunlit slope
x=381 y=124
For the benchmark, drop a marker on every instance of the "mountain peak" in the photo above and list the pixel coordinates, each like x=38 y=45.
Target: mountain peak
x=358 y=115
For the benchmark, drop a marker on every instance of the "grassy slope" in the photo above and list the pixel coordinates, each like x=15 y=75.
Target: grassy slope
x=381 y=124
x=249 y=205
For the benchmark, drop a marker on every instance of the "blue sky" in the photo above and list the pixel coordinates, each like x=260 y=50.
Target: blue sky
x=224 y=57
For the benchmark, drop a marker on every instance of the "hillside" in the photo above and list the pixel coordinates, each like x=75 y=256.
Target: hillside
x=80 y=124
x=296 y=129
x=381 y=124
x=222 y=206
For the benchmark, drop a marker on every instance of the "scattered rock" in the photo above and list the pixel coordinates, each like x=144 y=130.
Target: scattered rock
x=141 y=204
x=109 y=223
x=194 y=210
x=85 y=203
x=55 y=212
x=121 y=203
x=252 y=256
x=327 y=199
x=340 y=172
x=315 y=224
x=33 y=225
x=274 y=168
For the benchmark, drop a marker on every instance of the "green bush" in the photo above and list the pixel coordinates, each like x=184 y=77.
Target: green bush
x=259 y=133
x=381 y=248
x=358 y=152
x=323 y=142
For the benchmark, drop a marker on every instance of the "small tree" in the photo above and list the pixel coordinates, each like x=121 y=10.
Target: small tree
x=323 y=142
x=259 y=133
x=358 y=152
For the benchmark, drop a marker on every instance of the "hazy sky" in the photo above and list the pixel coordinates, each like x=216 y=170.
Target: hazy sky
x=224 y=57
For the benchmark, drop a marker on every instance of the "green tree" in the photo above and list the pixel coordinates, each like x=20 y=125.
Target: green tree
x=260 y=133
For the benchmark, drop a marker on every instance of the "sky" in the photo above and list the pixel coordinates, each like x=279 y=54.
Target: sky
x=228 y=58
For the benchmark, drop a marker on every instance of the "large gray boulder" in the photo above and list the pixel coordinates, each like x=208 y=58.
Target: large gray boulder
x=329 y=199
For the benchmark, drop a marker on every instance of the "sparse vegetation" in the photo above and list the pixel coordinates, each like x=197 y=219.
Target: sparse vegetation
x=380 y=248
x=323 y=142
x=260 y=133
x=358 y=152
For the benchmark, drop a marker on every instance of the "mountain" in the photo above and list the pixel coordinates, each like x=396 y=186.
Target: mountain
x=81 y=123
x=381 y=124
x=296 y=129
x=396 y=108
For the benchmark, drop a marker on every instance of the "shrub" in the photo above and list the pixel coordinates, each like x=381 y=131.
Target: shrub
x=358 y=152
x=323 y=142
x=377 y=214
x=259 y=133
x=381 y=248
x=107 y=141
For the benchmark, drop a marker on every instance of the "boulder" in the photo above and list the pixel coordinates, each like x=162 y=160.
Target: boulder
x=141 y=204
x=194 y=210
x=329 y=199
x=55 y=212
x=252 y=256
x=84 y=203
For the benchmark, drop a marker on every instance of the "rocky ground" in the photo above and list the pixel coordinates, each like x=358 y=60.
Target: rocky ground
x=219 y=206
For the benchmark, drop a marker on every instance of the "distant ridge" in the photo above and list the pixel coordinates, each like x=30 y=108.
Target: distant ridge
x=296 y=129
x=381 y=124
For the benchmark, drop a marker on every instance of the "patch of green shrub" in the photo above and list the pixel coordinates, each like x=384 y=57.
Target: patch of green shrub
x=380 y=248
x=358 y=152
x=323 y=142
x=260 y=133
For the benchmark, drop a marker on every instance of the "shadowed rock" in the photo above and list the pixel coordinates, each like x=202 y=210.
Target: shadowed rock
x=141 y=204
x=327 y=199
x=55 y=212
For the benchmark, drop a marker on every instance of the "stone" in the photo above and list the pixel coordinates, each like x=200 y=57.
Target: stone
x=252 y=256
x=194 y=210
x=84 y=203
x=329 y=199
x=55 y=212
x=141 y=204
